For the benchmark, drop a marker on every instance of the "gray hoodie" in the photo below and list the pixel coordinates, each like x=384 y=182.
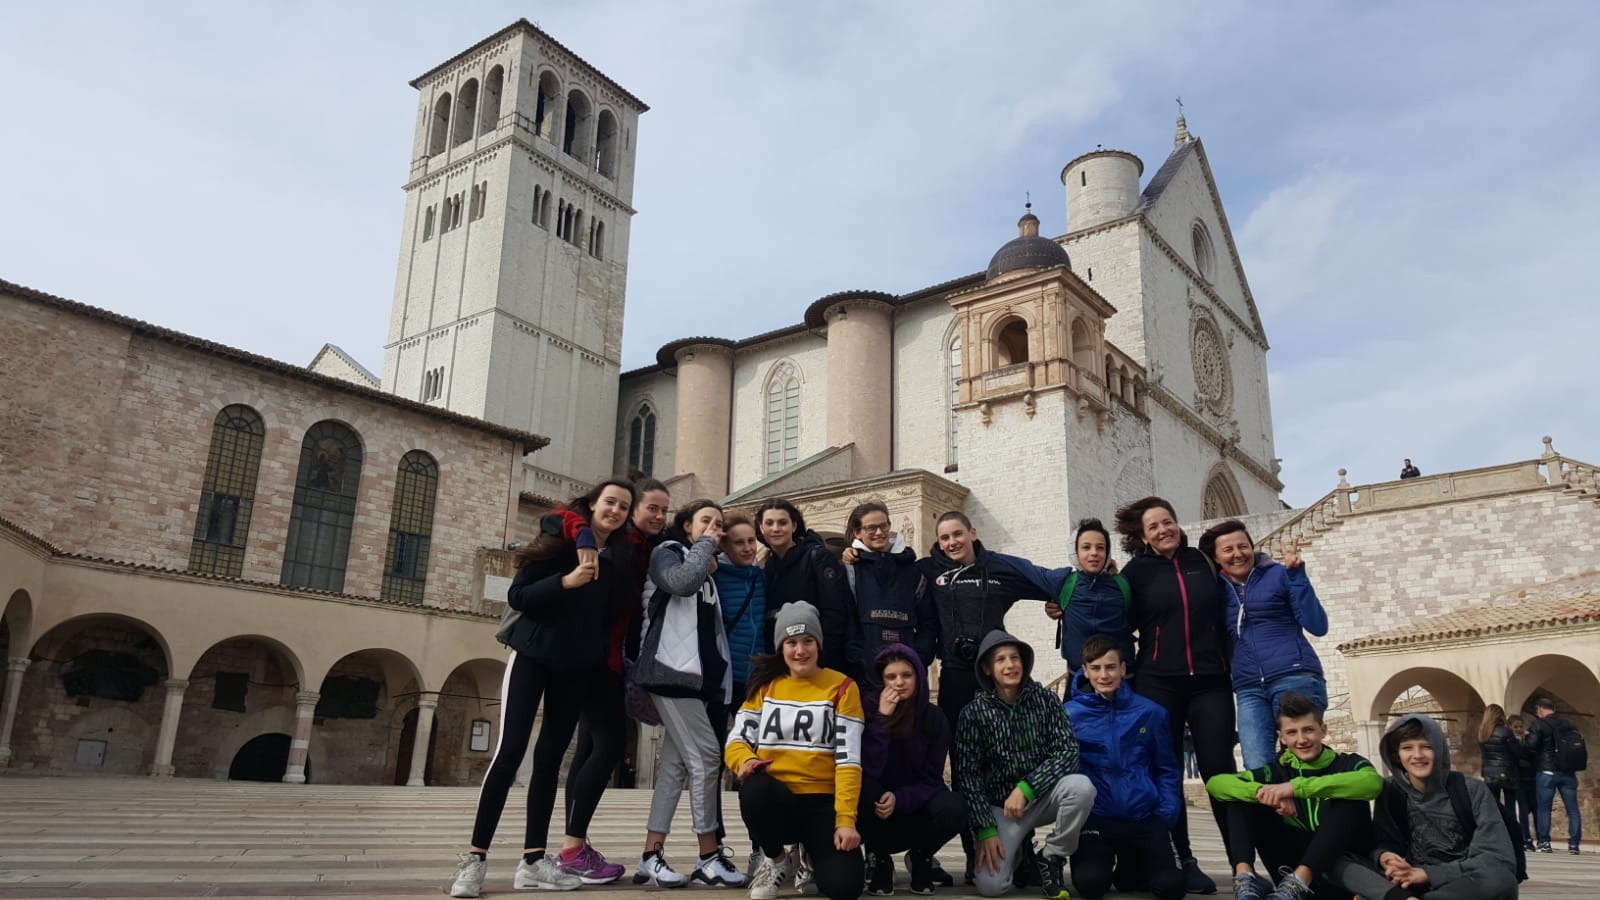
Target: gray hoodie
x=1432 y=836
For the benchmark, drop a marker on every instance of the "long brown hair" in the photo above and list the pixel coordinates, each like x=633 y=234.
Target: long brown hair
x=547 y=545
x=765 y=668
x=1494 y=716
x=903 y=721
x=1130 y=522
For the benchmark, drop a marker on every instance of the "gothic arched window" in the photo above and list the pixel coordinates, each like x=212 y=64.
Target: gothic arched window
x=228 y=492
x=783 y=419
x=642 y=441
x=324 y=511
x=1220 y=499
x=405 y=569
x=955 y=397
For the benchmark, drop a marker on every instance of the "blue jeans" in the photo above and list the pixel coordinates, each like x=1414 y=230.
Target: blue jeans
x=1546 y=785
x=1258 y=712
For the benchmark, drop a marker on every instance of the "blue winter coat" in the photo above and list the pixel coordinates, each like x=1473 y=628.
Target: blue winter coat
x=1267 y=618
x=743 y=590
x=1124 y=748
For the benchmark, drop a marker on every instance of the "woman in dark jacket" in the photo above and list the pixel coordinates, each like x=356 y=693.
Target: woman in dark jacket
x=905 y=804
x=799 y=566
x=1498 y=759
x=559 y=648
x=1183 y=661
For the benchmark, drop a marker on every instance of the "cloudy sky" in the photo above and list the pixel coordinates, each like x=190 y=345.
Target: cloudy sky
x=1413 y=186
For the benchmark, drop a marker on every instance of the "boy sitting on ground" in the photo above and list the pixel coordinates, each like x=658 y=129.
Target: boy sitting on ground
x=1428 y=842
x=1302 y=812
x=1124 y=748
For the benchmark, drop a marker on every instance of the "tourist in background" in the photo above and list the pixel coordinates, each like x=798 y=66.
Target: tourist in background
x=559 y=643
x=683 y=664
x=799 y=781
x=905 y=804
x=1526 y=773
x=1268 y=608
x=1183 y=654
x=891 y=601
x=799 y=566
x=1559 y=754
x=1498 y=761
x=1407 y=470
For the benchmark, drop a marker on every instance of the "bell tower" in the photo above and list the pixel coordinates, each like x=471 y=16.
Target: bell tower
x=513 y=266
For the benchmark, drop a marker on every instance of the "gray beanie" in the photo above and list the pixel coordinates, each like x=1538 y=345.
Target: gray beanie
x=795 y=618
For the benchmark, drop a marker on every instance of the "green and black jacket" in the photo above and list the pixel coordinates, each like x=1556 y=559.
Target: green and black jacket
x=1331 y=776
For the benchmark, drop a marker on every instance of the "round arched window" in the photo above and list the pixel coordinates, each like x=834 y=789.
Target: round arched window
x=1204 y=260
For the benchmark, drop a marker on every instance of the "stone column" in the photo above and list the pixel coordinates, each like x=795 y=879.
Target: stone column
x=8 y=706
x=305 y=709
x=861 y=382
x=168 y=736
x=705 y=415
x=419 y=747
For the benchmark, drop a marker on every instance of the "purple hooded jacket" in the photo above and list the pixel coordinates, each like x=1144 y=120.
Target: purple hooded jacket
x=910 y=767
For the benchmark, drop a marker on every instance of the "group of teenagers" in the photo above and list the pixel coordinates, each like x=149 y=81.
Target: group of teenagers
x=806 y=676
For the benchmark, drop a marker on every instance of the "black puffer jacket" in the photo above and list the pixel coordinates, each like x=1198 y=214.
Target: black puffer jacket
x=1178 y=613
x=1499 y=763
x=564 y=630
x=810 y=572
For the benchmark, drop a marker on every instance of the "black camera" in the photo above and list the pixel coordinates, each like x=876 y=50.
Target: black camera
x=965 y=650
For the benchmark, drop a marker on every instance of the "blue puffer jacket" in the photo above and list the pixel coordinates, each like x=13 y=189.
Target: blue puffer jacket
x=1125 y=750
x=1267 y=618
x=743 y=590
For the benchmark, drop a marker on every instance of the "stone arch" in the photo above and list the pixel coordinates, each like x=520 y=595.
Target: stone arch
x=489 y=105
x=278 y=720
x=471 y=693
x=547 y=105
x=17 y=621
x=1010 y=339
x=364 y=697
x=1082 y=344
x=466 y=114
x=608 y=136
x=1221 y=497
x=575 y=126
x=231 y=683
x=48 y=645
x=439 y=125
x=1560 y=677
x=1442 y=694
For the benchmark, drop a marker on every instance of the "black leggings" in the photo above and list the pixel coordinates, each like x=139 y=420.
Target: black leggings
x=957 y=686
x=566 y=697
x=1205 y=704
x=776 y=817
x=602 y=740
x=1343 y=826
x=922 y=832
x=1132 y=856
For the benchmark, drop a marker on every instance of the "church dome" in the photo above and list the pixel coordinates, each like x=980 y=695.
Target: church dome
x=1027 y=251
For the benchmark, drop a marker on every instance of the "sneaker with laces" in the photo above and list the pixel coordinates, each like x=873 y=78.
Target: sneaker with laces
x=469 y=876
x=590 y=866
x=718 y=870
x=880 y=874
x=769 y=874
x=923 y=878
x=1545 y=848
x=1290 y=887
x=544 y=875
x=1250 y=886
x=1051 y=875
x=805 y=877
x=1194 y=880
x=755 y=863
x=654 y=869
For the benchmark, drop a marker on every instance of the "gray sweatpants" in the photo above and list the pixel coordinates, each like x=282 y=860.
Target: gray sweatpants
x=1067 y=806
x=690 y=755
x=1362 y=878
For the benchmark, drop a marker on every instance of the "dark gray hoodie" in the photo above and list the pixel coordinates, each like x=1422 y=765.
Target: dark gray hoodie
x=1432 y=836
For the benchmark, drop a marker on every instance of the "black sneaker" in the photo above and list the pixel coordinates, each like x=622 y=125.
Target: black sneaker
x=1574 y=851
x=941 y=878
x=1545 y=848
x=1022 y=871
x=880 y=874
x=1194 y=880
x=922 y=877
x=1052 y=879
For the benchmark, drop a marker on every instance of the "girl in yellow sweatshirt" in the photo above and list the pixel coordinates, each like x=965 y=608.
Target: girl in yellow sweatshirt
x=796 y=747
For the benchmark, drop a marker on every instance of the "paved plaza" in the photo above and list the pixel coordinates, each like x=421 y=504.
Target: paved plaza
x=139 y=837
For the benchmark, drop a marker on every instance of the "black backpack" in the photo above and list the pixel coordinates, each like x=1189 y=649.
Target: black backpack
x=1455 y=784
x=1571 y=753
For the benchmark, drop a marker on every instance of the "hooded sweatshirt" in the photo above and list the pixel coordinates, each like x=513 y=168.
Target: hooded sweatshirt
x=910 y=766
x=972 y=600
x=1125 y=750
x=1267 y=617
x=1177 y=610
x=892 y=603
x=1429 y=834
x=692 y=655
x=809 y=572
x=743 y=590
x=1025 y=745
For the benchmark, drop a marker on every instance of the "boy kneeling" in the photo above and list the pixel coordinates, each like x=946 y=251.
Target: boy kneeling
x=1018 y=770
x=1125 y=750
x=1425 y=845
x=1302 y=812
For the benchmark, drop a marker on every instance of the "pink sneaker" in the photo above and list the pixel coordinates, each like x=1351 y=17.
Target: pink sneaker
x=587 y=863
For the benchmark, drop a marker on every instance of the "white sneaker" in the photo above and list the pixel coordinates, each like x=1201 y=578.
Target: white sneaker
x=718 y=871
x=755 y=863
x=805 y=877
x=469 y=876
x=654 y=869
x=770 y=874
x=545 y=875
